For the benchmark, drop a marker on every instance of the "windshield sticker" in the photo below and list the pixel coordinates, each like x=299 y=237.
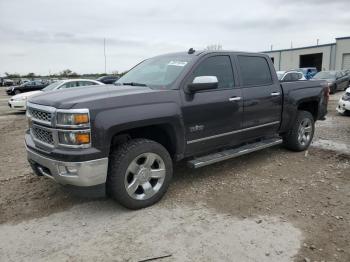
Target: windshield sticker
x=177 y=63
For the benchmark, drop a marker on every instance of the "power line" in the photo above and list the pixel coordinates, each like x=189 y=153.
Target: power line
x=104 y=51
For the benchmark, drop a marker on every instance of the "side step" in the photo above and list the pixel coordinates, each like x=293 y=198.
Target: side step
x=234 y=152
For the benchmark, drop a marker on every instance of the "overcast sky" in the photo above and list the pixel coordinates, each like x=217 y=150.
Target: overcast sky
x=43 y=36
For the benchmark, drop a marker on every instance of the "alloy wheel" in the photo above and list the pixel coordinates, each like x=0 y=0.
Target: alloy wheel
x=145 y=176
x=305 y=131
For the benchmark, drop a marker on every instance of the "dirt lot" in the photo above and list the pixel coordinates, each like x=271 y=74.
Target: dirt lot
x=273 y=205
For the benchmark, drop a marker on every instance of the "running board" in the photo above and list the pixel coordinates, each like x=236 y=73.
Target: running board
x=234 y=152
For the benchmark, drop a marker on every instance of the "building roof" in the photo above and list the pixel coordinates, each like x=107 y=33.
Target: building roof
x=298 y=48
x=305 y=47
x=342 y=38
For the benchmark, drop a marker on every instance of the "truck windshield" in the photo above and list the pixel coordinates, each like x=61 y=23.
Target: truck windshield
x=157 y=72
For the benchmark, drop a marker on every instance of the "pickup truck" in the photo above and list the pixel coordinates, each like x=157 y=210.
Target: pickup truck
x=198 y=106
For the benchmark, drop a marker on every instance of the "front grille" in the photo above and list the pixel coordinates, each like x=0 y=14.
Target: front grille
x=42 y=135
x=40 y=115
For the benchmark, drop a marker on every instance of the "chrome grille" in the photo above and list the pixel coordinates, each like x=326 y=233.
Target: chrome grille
x=40 y=115
x=42 y=135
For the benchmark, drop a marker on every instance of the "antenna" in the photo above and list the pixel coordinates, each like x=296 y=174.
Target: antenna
x=191 y=51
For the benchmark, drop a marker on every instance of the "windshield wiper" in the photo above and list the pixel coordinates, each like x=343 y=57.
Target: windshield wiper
x=133 y=84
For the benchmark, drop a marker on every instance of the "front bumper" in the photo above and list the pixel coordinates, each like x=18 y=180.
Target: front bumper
x=17 y=104
x=80 y=174
x=343 y=106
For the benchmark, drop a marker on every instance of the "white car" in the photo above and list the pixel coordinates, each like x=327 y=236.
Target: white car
x=343 y=107
x=18 y=102
x=289 y=76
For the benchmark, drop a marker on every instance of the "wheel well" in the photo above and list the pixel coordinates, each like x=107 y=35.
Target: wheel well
x=310 y=106
x=163 y=134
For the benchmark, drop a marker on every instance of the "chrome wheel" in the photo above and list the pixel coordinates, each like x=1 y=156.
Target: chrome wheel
x=145 y=176
x=305 y=131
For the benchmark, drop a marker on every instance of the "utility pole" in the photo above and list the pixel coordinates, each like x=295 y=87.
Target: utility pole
x=318 y=40
x=271 y=47
x=104 y=52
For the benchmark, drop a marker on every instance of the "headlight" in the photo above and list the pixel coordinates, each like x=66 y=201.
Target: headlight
x=23 y=98
x=346 y=97
x=76 y=118
x=74 y=138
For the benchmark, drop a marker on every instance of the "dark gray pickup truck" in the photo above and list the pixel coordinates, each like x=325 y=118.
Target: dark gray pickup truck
x=204 y=107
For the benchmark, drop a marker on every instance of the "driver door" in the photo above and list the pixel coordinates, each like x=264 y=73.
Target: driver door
x=212 y=116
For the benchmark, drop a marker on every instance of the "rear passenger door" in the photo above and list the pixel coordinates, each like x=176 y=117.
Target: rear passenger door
x=262 y=96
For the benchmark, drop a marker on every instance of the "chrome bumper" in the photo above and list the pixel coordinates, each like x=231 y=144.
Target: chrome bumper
x=82 y=174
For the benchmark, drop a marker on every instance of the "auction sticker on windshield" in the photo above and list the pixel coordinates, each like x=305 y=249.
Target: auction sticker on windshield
x=177 y=63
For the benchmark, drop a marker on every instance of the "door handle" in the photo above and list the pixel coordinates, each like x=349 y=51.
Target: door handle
x=275 y=93
x=235 y=98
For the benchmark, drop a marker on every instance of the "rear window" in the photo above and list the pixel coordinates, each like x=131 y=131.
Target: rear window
x=254 y=70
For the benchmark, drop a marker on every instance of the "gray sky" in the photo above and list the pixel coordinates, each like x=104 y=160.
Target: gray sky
x=41 y=35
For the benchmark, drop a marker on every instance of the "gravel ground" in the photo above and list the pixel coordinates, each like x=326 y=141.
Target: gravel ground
x=272 y=205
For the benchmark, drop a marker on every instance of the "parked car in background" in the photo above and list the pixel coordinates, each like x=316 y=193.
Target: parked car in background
x=108 y=79
x=347 y=73
x=8 y=82
x=290 y=76
x=308 y=72
x=18 y=102
x=24 y=80
x=123 y=139
x=27 y=87
x=343 y=107
x=336 y=80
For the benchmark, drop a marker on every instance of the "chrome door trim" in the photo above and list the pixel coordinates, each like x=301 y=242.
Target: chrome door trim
x=231 y=133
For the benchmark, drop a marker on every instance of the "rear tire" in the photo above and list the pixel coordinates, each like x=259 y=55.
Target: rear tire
x=139 y=173
x=300 y=136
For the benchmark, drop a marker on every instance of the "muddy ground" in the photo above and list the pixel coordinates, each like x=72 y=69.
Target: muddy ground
x=272 y=205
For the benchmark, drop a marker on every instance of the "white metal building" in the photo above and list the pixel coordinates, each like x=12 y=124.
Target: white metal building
x=333 y=56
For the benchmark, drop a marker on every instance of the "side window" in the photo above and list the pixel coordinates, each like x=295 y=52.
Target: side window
x=288 y=77
x=254 y=70
x=87 y=83
x=70 y=84
x=219 y=66
x=295 y=76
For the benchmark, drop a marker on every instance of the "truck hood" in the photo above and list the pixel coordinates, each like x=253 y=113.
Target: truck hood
x=68 y=98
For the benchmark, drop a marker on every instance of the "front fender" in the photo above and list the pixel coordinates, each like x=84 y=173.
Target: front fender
x=110 y=122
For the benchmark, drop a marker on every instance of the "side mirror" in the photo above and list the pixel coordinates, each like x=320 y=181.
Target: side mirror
x=203 y=83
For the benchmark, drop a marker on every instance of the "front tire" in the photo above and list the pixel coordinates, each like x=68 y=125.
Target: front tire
x=17 y=92
x=300 y=136
x=139 y=173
